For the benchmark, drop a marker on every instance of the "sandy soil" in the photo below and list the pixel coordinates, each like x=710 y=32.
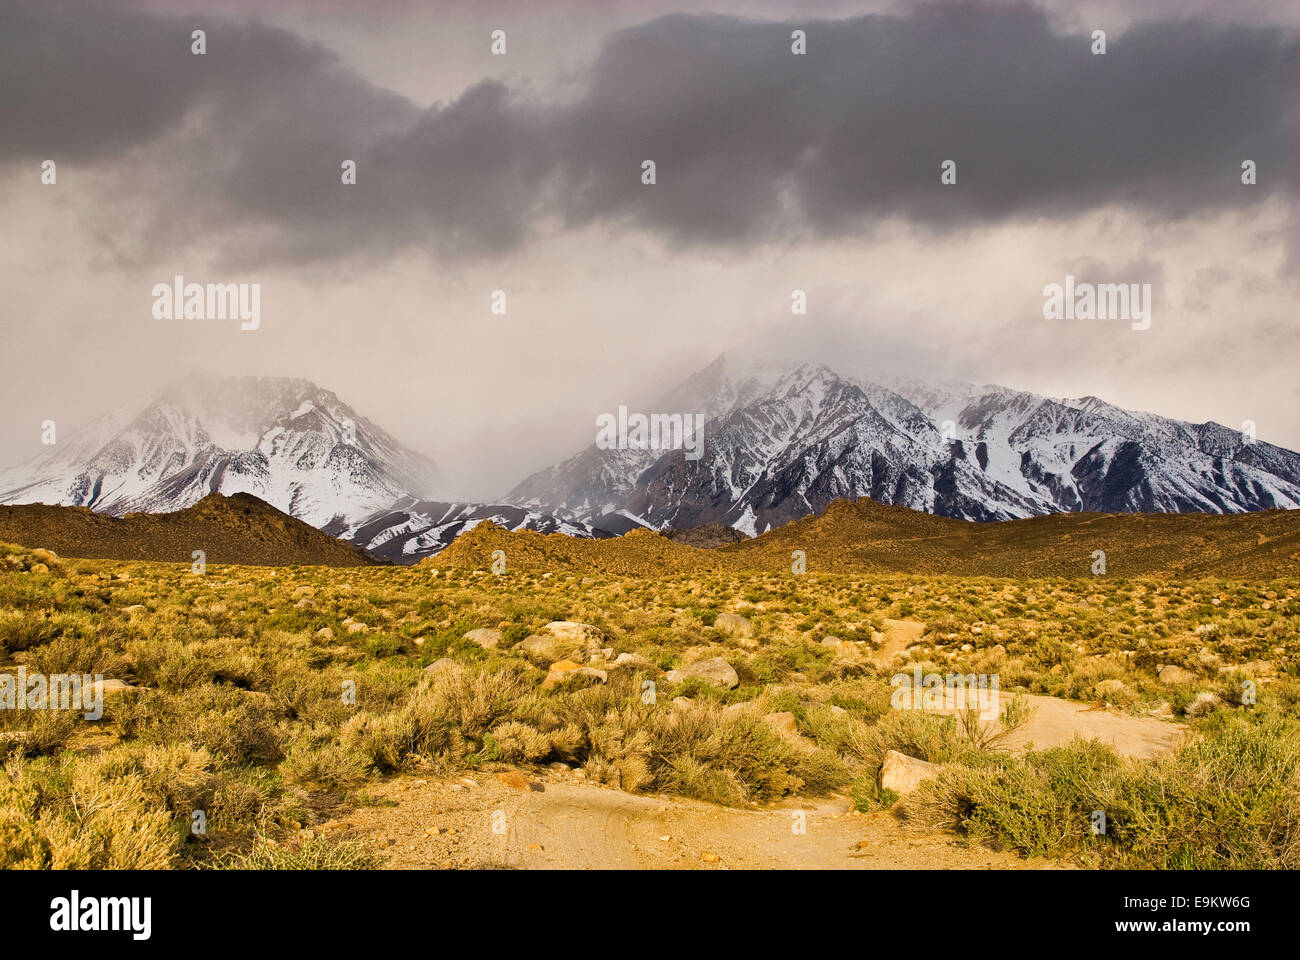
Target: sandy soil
x=1054 y=722
x=558 y=821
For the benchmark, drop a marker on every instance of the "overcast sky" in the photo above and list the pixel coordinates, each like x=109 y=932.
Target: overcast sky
x=522 y=172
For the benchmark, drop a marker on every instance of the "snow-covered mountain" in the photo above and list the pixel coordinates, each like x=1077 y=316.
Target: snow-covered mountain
x=781 y=440
x=411 y=529
x=784 y=440
x=286 y=441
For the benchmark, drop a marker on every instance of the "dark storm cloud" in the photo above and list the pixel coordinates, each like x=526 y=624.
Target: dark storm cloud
x=856 y=130
x=752 y=143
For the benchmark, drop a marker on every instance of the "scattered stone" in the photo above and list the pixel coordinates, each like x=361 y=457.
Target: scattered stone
x=135 y=609
x=903 y=774
x=325 y=633
x=708 y=857
x=441 y=665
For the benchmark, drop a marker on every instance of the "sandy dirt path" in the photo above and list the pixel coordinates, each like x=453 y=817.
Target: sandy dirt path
x=559 y=822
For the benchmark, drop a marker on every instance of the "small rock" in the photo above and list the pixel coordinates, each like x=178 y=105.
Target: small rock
x=514 y=779
x=325 y=633
x=438 y=666
x=903 y=774
x=708 y=857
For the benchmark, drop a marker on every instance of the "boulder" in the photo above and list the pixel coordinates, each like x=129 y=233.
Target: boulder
x=1174 y=674
x=1110 y=687
x=439 y=666
x=734 y=624
x=783 y=723
x=903 y=774
x=1205 y=702
x=583 y=633
x=485 y=637
x=633 y=661
x=543 y=648
x=561 y=640
x=843 y=649
x=715 y=671
x=567 y=668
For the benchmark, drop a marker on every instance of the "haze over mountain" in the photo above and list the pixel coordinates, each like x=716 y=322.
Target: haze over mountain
x=784 y=440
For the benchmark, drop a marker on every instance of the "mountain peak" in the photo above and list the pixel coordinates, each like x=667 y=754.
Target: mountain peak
x=285 y=440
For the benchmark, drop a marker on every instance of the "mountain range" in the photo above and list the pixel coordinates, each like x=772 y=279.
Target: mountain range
x=783 y=439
